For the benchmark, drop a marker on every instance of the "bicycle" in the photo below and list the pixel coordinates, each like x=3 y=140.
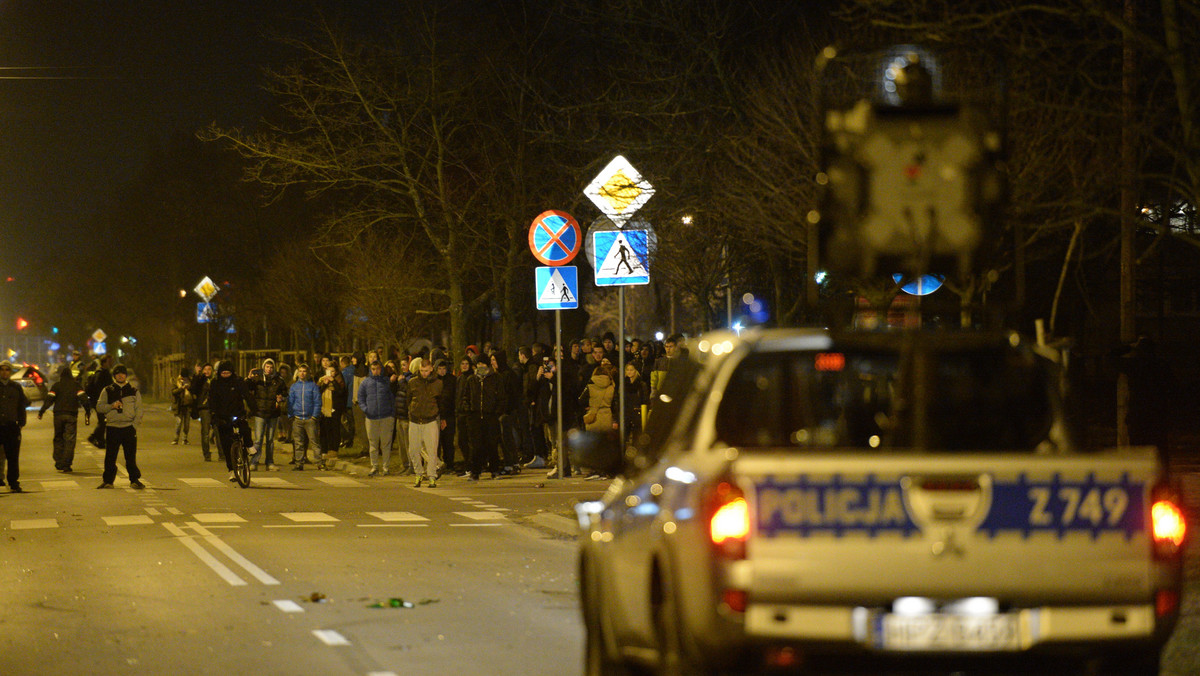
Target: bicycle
x=241 y=457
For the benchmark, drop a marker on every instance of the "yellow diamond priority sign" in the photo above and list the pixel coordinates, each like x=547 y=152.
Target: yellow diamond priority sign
x=619 y=190
x=206 y=289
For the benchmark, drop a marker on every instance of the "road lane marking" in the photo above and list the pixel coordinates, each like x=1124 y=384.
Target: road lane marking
x=298 y=525
x=288 y=606
x=273 y=481
x=258 y=573
x=135 y=520
x=393 y=525
x=308 y=517
x=341 y=481
x=397 y=516
x=201 y=553
x=60 y=485
x=152 y=511
x=218 y=517
x=175 y=511
x=203 y=483
x=481 y=516
x=475 y=525
x=27 y=524
x=330 y=637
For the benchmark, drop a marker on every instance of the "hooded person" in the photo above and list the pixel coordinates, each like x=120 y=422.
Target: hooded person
x=484 y=403
x=267 y=391
x=67 y=397
x=512 y=384
x=377 y=403
x=229 y=404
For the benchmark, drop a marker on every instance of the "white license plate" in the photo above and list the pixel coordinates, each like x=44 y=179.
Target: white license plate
x=940 y=631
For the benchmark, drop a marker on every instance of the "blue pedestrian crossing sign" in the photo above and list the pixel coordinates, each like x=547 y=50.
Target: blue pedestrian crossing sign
x=206 y=312
x=621 y=257
x=557 y=287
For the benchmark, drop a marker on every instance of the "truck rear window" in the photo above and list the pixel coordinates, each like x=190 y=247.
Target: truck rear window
x=976 y=400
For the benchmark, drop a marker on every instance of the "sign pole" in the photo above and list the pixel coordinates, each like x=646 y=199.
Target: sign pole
x=621 y=370
x=558 y=357
x=207 y=343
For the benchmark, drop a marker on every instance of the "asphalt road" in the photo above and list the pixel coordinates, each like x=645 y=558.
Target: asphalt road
x=197 y=576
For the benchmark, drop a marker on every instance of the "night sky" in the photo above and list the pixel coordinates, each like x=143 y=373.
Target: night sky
x=133 y=73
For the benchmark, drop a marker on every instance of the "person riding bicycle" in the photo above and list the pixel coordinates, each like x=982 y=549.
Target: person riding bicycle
x=229 y=400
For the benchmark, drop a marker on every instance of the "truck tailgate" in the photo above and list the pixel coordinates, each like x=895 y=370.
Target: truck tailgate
x=1025 y=529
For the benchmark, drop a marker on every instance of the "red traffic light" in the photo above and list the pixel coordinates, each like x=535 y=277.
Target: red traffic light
x=21 y=323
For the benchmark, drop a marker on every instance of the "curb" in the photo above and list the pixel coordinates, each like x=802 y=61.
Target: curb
x=556 y=522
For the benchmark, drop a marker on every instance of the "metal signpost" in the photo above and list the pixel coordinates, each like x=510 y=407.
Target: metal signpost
x=619 y=191
x=554 y=239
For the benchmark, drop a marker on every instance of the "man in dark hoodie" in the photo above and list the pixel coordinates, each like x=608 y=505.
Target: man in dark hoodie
x=13 y=403
x=229 y=400
x=511 y=405
x=96 y=383
x=66 y=396
x=267 y=390
x=485 y=399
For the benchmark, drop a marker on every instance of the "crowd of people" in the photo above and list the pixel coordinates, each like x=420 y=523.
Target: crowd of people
x=474 y=414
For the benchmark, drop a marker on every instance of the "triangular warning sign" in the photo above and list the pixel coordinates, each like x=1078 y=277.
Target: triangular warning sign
x=622 y=260
x=556 y=291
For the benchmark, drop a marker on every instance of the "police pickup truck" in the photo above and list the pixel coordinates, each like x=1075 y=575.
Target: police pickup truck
x=805 y=500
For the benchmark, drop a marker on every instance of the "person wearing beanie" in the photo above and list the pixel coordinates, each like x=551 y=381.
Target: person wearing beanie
x=13 y=403
x=121 y=405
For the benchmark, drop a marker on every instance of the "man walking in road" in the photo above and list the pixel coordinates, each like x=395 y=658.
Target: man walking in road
x=200 y=385
x=13 y=403
x=66 y=396
x=121 y=404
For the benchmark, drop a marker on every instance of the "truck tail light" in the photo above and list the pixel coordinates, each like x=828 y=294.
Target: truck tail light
x=1167 y=525
x=729 y=520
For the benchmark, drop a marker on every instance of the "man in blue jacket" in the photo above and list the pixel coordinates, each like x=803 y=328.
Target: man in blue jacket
x=304 y=405
x=375 y=400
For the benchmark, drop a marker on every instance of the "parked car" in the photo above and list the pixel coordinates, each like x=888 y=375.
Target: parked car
x=32 y=381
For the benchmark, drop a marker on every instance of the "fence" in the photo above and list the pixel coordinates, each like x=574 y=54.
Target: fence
x=166 y=368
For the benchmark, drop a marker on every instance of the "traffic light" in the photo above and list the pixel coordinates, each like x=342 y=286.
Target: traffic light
x=22 y=324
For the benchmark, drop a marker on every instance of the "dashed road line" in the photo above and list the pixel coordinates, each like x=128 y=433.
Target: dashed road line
x=288 y=606
x=135 y=520
x=330 y=637
x=29 y=524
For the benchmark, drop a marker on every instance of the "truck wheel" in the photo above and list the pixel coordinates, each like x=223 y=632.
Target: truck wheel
x=673 y=656
x=596 y=661
x=1147 y=663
